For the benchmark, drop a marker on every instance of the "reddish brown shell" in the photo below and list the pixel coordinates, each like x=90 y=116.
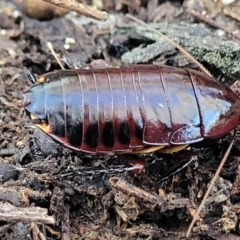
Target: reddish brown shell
x=116 y=110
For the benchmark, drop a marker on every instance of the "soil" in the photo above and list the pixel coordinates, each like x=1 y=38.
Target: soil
x=50 y=192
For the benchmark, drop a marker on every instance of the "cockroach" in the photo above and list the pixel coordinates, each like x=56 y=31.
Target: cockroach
x=138 y=109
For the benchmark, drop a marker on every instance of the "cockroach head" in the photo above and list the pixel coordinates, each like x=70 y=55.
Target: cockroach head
x=34 y=103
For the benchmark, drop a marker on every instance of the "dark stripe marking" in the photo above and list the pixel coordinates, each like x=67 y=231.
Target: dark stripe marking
x=124 y=133
x=108 y=134
x=56 y=120
x=74 y=132
x=91 y=135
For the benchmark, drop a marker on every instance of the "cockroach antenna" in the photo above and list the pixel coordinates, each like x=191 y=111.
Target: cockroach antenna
x=31 y=76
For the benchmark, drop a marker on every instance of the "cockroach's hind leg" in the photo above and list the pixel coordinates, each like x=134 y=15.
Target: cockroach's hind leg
x=134 y=163
x=147 y=150
x=173 y=149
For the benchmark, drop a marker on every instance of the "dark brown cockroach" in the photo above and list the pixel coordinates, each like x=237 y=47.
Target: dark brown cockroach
x=136 y=109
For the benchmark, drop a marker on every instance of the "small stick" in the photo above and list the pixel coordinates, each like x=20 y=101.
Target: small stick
x=212 y=23
x=4 y=101
x=54 y=233
x=37 y=234
x=49 y=45
x=195 y=217
x=73 y=5
x=66 y=232
x=8 y=151
x=136 y=192
x=10 y=213
x=172 y=42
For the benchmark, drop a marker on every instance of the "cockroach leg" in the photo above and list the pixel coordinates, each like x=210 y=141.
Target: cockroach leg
x=45 y=127
x=173 y=149
x=30 y=76
x=147 y=150
x=135 y=163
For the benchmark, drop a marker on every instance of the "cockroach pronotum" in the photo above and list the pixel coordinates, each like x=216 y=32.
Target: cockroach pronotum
x=139 y=109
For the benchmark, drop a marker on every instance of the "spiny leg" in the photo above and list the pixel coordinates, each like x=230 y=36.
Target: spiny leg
x=173 y=149
x=147 y=150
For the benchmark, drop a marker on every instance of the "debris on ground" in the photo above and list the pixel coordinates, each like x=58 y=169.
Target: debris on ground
x=50 y=192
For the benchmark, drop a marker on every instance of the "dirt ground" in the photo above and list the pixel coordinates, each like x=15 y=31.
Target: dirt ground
x=49 y=192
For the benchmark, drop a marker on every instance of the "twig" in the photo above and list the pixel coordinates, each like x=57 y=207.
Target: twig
x=6 y=227
x=54 y=233
x=72 y=5
x=37 y=234
x=8 y=151
x=172 y=42
x=49 y=45
x=11 y=213
x=212 y=23
x=66 y=235
x=138 y=193
x=195 y=217
x=7 y=103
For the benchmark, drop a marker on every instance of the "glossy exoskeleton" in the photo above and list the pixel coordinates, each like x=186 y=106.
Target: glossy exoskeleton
x=120 y=110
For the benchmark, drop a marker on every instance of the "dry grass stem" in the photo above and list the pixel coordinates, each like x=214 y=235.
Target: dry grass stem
x=196 y=215
x=186 y=53
x=10 y=213
x=50 y=47
x=72 y=5
x=138 y=193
